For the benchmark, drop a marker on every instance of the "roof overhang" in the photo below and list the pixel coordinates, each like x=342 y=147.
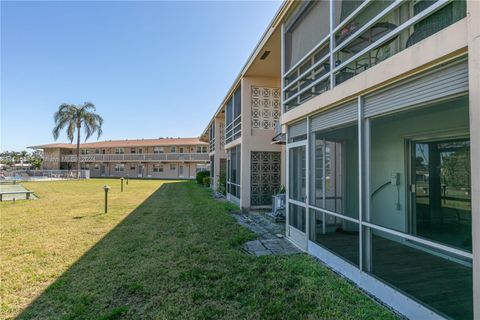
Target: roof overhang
x=273 y=32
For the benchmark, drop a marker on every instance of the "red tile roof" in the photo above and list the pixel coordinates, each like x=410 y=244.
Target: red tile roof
x=125 y=143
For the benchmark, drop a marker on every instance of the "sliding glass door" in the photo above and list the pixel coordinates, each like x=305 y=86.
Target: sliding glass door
x=440 y=187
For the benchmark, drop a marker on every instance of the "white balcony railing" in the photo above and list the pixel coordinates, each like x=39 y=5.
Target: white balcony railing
x=137 y=157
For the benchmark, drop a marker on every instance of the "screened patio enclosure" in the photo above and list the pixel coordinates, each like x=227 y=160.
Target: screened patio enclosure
x=381 y=184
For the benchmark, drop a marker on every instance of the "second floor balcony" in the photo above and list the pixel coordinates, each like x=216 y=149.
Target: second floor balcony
x=328 y=42
x=135 y=157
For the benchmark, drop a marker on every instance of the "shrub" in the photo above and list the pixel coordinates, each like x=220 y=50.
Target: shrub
x=201 y=175
x=206 y=181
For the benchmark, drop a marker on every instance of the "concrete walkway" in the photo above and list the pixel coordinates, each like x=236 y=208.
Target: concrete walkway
x=278 y=246
x=271 y=235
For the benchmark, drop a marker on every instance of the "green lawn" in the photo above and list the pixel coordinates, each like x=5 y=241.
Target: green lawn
x=165 y=250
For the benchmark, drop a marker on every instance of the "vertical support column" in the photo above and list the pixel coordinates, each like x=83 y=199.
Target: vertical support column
x=307 y=184
x=332 y=42
x=283 y=165
x=364 y=188
x=324 y=185
x=282 y=67
x=360 y=178
x=246 y=144
x=287 y=185
x=473 y=29
x=216 y=154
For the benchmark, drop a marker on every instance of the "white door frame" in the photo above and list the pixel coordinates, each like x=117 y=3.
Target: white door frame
x=296 y=236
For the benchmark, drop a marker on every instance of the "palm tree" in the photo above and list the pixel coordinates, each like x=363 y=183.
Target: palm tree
x=74 y=117
x=23 y=156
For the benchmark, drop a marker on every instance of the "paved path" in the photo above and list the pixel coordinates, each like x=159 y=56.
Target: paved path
x=266 y=247
x=271 y=235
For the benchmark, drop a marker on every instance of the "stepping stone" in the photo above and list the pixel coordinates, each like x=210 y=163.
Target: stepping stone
x=262 y=253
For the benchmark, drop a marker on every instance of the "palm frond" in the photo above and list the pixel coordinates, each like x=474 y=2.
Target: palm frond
x=71 y=130
x=73 y=117
x=92 y=123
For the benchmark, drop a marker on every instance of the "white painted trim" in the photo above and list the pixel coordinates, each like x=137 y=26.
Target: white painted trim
x=233 y=199
x=296 y=144
x=429 y=243
x=341 y=216
x=298 y=238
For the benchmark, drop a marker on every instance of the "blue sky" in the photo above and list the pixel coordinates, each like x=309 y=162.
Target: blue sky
x=153 y=69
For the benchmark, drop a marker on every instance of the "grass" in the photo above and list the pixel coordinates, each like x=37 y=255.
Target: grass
x=165 y=250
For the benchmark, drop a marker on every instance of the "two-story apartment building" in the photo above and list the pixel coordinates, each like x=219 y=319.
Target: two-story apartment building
x=165 y=158
x=240 y=132
x=380 y=109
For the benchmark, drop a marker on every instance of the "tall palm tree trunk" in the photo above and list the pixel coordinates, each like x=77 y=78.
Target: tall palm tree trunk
x=78 y=150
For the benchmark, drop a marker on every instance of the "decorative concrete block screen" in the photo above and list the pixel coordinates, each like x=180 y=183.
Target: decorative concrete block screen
x=265 y=107
x=265 y=177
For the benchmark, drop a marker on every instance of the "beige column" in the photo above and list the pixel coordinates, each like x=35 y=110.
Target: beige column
x=473 y=27
x=254 y=139
x=246 y=145
x=219 y=150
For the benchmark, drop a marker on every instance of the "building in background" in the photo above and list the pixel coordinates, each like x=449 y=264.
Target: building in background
x=164 y=158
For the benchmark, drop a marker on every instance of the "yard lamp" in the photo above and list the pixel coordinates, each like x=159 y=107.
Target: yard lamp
x=106 y=188
x=121 y=184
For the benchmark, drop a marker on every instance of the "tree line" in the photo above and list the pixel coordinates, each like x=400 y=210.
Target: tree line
x=11 y=158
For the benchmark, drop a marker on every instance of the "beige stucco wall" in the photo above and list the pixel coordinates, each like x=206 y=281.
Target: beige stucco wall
x=131 y=169
x=51 y=159
x=254 y=139
x=149 y=149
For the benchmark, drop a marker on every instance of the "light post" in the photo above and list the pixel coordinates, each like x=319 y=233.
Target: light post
x=121 y=184
x=106 y=188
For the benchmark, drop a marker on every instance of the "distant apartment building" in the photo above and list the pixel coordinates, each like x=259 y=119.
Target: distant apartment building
x=380 y=116
x=164 y=158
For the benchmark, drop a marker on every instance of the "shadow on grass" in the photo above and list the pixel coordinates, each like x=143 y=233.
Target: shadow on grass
x=175 y=257
x=117 y=273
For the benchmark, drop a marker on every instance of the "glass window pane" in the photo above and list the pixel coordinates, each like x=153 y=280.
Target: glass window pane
x=442 y=197
x=297 y=173
x=439 y=279
x=297 y=217
x=335 y=234
x=420 y=173
x=307 y=31
x=233 y=171
x=229 y=112
x=334 y=170
x=237 y=98
x=343 y=8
